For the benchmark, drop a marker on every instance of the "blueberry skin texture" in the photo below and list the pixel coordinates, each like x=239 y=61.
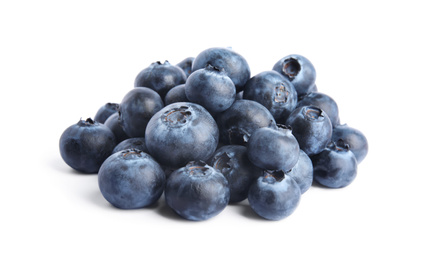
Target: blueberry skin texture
x=105 y=112
x=197 y=191
x=273 y=149
x=113 y=123
x=273 y=91
x=137 y=143
x=232 y=161
x=312 y=128
x=186 y=65
x=324 y=102
x=211 y=88
x=137 y=108
x=131 y=179
x=84 y=146
x=234 y=64
x=299 y=71
x=335 y=167
x=274 y=197
x=356 y=140
x=237 y=123
x=181 y=132
x=160 y=77
x=302 y=172
x=176 y=94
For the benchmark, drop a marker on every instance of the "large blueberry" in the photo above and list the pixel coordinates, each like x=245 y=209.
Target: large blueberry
x=113 y=123
x=354 y=138
x=137 y=143
x=84 y=146
x=197 y=191
x=274 y=195
x=136 y=109
x=232 y=161
x=211 y=88
x=234 y=64
x=105 y=112
x=273 y=149
x=311 y=127
x=181 y=132
x=302 y=172
x=336 y=166
x=273 y=91
x=131 y=179
x=322 y=101
x=299 y=70
x=237 y=123
x=160 y=77
x=186 y=65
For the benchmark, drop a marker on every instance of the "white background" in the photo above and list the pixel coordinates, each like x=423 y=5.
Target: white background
x=62 y=60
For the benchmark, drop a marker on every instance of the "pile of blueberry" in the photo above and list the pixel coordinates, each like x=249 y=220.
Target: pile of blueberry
x=205 y=133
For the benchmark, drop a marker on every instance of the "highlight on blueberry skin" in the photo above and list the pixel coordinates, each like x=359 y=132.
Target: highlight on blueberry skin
x=181 y=132
x=234 y=64
x=105 y=112
x=137 y=108
x=186 y=65
x=197 y=191
x=273 y=149
x=274 y=196
x=160 y=77
x=312 y=128
x=232 y=161
x=324 y=102
x=84 y=146
x=356 y=140
x=273 y=91
x=336 y=166
x=211 y=88
x=299 y=71
x=131 y=179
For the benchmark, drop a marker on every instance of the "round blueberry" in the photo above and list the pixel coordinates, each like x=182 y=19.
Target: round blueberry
x=136 y=109
x=176 y=94
x=131 y=179
x=181 y=132
x=232 y=161
x=273 y=91
x=311 y=127
x=211 y=88
x=105 y=112
x=84 y=146
x=274 y=195
x=234 y=64
x=299 y=71
x=302 y=172
x=197 y=191
x=322 y=101
x=336 y=166
x=160 y=77
x=137 y=143
x=354 y=138
x=186 y=65
x=113 y=123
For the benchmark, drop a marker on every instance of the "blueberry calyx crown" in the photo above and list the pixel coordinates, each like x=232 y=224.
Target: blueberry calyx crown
x=177 y=116
x=238 y=136
x=291 y=68
x=160 y=63
x=197 y=168
x=339 y=146
x=222 y=164
x=272 y=176
x=281 y=94
x=87 y=122
x=131 y=153
x=214 y=68
x=313 y=113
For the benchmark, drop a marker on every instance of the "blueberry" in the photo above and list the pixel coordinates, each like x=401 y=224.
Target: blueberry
x=105 y=112
x=84 y=146
x=273 y=91
x=234 y=64
x=354 y=138
x=186 y=65
x=176 y=94
x=136 y=109
x=113 y=123
x=274 y=195
x=232 y=161
x=131 y=179
x=197 y=191
x=322 y=101
x=299 y=71
x=211 y=88
x=160 y=77
x=181 y=132
x=336 y=166
x=237 y=123
x=137 y=143
x=311 y=127
x=273 y=149
x=302 y=172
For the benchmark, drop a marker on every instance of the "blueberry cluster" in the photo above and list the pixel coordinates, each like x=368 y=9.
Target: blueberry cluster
x=205 y=133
